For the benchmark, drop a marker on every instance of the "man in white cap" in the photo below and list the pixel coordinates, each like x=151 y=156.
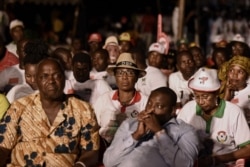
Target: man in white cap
x=16 y=33
x=221 y=125
x=154 y=78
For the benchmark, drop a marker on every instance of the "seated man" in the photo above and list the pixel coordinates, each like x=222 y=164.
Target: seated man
x=49 y=128
x=156 y=138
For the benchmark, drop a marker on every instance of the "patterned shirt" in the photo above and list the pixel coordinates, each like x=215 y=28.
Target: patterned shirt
x=26 y=130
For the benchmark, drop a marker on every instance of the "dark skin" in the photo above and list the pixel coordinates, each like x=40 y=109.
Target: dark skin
x=158 y=111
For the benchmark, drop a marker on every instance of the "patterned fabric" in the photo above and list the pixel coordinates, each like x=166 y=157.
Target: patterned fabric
x=34 y=142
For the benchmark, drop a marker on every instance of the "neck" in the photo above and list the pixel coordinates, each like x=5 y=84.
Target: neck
x=126 y=97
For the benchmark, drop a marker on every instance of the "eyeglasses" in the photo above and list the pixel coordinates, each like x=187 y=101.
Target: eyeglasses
x=129 y=73
x=202 y=97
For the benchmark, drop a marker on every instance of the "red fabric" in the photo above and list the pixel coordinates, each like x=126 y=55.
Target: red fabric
x=9 y=60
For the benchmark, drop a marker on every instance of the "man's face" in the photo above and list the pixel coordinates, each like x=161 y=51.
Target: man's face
x=81 y=71
x=114 y=52
x=50 y=79
x=17 y=33
x=99 y=61
x=159 y=105
x=186 y=65
x=155 y=59
x=125 y=79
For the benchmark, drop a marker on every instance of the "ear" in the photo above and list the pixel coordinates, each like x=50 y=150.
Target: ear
x=174 y=110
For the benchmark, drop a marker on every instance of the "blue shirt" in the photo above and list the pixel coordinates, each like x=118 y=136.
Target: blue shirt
x=176 y=145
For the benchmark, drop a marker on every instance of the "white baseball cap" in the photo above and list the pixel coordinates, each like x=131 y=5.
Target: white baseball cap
x=157 y=47
x=15 y=23
x=205 y=79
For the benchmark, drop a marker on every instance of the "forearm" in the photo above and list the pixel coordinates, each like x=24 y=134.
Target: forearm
x=5 y=156
x=88 y=158
x=175 y=153
x=243 y=153
x=118 y=150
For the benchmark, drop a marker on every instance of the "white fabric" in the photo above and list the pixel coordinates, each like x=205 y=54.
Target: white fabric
x=11 y=76
x=242 y=99
x=19 y=91
x=180 y=86
x=152 y=80
x=89 y=90
x=110 y=79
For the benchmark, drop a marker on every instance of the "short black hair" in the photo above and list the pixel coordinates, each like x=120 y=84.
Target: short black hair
x=169 y=92
x=82 y=58
x=35 y=50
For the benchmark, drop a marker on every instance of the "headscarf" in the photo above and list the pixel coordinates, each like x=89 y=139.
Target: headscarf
x=241 y=61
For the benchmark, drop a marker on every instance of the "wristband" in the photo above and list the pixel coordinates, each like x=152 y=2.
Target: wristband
x=80 y=163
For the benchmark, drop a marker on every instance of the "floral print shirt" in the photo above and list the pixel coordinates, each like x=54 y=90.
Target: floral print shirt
x=26 y=130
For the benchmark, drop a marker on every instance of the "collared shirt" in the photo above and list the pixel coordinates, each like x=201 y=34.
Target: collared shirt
x=110 y=112
x=152 y=80
x=227 y=128
x=176 y=145
x=26 y=130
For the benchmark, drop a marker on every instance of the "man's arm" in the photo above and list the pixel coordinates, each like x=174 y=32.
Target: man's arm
x=178 y=144
x=122 y=144
x=243 y=153
x=5 y=156
x=88 y=158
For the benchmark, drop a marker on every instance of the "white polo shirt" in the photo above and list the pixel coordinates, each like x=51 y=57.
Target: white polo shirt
x=228 y=128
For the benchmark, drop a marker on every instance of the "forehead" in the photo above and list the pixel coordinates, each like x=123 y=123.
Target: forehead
x=202 y=93
x=48 y=65
x=160 y=97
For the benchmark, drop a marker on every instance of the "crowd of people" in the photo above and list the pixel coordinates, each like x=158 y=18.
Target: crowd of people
x=111 y=104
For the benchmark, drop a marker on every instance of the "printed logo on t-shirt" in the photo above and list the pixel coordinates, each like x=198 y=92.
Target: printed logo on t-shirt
x=221 y=137
x=134 y=114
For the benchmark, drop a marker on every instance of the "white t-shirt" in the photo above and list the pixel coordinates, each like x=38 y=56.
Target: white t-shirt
x=88 y=91
x=180 y=86
x=11 y=76
x=152 y=80
x=242 y=99
x=19 y=91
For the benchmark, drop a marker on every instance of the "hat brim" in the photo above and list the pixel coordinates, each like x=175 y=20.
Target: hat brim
x=111 y=69
x=202 y=89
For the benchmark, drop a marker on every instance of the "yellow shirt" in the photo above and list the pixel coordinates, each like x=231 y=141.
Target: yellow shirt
x=4 y=105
